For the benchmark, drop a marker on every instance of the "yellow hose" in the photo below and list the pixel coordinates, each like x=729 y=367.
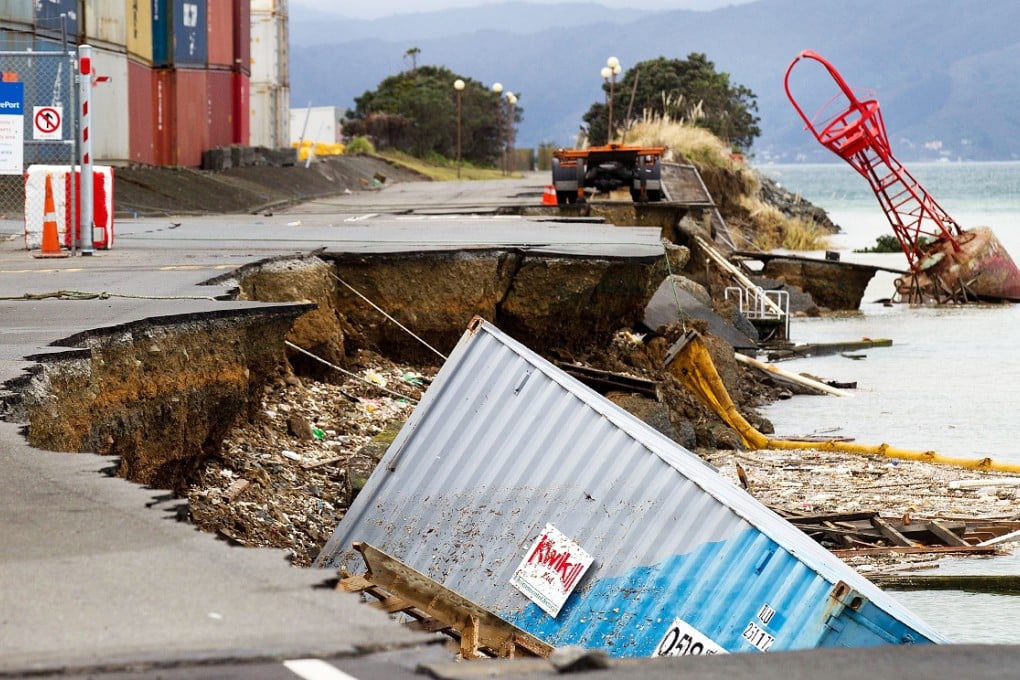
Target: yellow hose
x=694 y=367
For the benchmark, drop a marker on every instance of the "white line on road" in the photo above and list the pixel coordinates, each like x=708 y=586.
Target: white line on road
x=359 y=218
x=316 y=669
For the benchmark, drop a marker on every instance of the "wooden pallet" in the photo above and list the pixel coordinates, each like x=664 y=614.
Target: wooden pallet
x=399 y=589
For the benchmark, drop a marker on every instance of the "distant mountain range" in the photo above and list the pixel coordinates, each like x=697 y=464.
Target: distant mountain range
x=944 y=71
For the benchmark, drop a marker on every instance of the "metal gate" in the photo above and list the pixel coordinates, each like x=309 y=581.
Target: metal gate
x=50 y=89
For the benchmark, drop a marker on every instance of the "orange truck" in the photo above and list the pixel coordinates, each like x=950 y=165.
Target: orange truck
x=578 y=173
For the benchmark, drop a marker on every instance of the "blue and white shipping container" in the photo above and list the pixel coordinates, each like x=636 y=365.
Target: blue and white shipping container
x=180 y=33
x=524 y=491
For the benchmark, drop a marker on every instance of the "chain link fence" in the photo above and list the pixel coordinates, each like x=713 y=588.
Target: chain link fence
x=49 y=81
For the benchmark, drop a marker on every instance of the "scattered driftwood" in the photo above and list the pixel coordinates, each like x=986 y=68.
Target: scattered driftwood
x=862 y=533
x=787 y=375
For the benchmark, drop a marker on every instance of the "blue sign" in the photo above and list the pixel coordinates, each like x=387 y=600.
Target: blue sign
x=12 y=128
x=12 y=99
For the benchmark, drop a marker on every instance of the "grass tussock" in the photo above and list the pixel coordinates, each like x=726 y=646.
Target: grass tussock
x=775 y=230
x=770 y=228
x=686 y=143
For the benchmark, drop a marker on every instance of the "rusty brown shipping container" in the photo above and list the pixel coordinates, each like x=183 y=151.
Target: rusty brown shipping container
x=242 y=109
x=221 y=26
x=242 y=36
x=142 y=112
x=220 y=107
x=182 y=129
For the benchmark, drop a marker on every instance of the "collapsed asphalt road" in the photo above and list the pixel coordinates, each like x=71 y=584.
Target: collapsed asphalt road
x=96 y=571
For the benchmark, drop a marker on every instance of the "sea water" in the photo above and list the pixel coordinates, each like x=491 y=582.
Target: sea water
x=949 y=383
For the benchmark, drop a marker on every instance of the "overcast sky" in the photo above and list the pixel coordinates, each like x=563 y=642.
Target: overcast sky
x=381 y=8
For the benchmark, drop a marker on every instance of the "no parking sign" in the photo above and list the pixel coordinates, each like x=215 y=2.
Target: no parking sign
x=47 y=122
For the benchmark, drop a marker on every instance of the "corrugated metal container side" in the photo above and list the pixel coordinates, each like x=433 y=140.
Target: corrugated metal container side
x=142 y=112
x=242 y=108
x=138 y=15
x=270 y=115
x=221 y=26
x=16 y=41
x=110 y=120
x=179 y=33
x=242 y=36
x=269 y=59
x=20 y=12
x=106 y=22
x=504 y=443
x=56 y=17
x=181 y=123
x=220 y=108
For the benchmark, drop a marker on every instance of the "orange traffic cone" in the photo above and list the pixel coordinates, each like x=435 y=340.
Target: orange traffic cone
x=50 y=240
x=549 y=195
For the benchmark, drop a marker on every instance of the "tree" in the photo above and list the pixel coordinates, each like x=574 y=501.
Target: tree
x=690 y=90
x=412 y=54
x=416 y=112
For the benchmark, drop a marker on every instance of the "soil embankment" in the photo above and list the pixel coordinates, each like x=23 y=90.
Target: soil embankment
x=152 y=192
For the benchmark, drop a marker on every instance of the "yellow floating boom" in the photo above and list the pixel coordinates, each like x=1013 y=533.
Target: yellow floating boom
x=690 y=361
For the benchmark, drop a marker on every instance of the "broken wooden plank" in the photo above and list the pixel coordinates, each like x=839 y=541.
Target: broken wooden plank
x=1004 y=584
x=482 y=628
x=833 y=517
x=1012 y=536
x=945 y=533
x=604 y=382
x=918 y=550
x=889 y=532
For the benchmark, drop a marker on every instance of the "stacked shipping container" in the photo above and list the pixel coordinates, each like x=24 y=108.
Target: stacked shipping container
x=179 y=70
x=270 y=83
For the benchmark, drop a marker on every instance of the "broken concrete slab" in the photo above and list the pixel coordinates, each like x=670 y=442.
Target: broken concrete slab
x=674 y=301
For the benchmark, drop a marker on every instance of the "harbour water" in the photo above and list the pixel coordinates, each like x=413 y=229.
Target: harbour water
x=949 y=383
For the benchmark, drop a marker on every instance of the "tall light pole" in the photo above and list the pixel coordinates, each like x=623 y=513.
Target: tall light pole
x=458 y=85
x=511 y=101
x=609 y=73
x=498 y=89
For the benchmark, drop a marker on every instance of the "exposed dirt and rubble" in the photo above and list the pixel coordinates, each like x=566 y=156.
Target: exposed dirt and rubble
x=287 y=442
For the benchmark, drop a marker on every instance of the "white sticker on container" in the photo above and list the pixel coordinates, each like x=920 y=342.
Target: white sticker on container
x=551 y=570
x=683 y=639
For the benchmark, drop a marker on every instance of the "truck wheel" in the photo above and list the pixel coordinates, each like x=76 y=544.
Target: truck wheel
x=652 y=176
x=563 y=176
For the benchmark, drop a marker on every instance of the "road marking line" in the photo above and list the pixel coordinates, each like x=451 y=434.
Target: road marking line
x=316 y=669
x=359 y=218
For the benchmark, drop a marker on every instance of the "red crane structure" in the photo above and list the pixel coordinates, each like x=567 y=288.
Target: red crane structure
x=946 y=261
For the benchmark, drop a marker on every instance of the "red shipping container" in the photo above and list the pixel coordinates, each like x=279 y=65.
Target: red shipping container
x=242 y=112
x=242 y=36
x=142 y=113
x=220 y=107
x=221 y=27
x=182 y=129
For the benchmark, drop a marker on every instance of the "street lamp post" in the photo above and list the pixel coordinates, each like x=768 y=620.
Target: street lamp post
x=498 y=89
x=511 y=101
x=458 y=85
x=609 y=73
